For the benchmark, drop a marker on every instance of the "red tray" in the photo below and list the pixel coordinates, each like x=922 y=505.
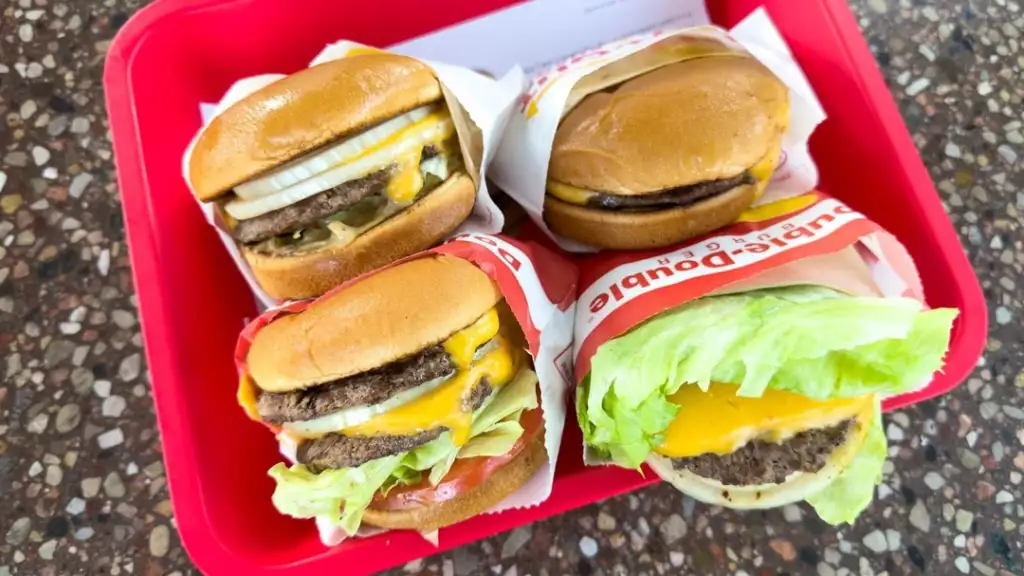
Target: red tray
x=175 y=54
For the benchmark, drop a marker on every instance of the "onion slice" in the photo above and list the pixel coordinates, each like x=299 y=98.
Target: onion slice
x=317 y=162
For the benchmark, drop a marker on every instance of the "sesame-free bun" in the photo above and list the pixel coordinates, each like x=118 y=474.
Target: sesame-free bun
x=302 y=112
x=686 y=123
x=637 y=230
x=389 y=315
x=506 y=480
x=422 y=225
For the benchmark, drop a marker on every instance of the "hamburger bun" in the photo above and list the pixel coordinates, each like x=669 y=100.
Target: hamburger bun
x=505 y=480
x=389 y=315
x=423 y=224
x=302 y=112
x=632 y=230
x=798 y=486
x=686 y=123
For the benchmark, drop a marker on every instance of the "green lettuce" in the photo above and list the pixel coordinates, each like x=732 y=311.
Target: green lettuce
x=807 y=340
x=342 y=495
x=803 y=339
x=849 y=494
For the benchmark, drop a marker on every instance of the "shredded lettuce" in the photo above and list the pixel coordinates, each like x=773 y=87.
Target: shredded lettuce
x=807 y=340
x=342 y=495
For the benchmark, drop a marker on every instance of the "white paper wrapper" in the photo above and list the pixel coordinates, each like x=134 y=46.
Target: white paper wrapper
x=521 y=165
x=487 y=103
x=540 y=289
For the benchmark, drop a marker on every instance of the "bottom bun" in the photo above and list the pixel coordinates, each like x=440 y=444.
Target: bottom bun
x=499 y=486
x=798 y=486
x=625 y=230
x=420 y=226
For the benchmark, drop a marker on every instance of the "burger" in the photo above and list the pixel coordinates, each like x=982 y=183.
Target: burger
x=334 y=171
x=763 y=398
x=665 y=145
x=406 y=400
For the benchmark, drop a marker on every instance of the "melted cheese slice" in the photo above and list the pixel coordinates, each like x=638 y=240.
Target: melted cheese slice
x=719 y=422
x=247 y=395
x=445 y=405
x=462 y=345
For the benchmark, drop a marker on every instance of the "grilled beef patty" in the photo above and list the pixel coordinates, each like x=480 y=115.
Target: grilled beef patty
x=304 y=213
x=672 y=198
x=366 y=389
x=761 y=462
x=341 y=451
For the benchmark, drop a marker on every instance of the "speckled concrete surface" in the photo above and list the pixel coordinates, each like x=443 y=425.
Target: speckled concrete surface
x=82 y=488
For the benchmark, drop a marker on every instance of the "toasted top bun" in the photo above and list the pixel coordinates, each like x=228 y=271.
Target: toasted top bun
x=389 y=315
x=499 y=486
x=693 y=121
x=302 y=112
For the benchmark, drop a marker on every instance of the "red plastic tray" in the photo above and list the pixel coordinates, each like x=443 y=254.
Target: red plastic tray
x=175 y=54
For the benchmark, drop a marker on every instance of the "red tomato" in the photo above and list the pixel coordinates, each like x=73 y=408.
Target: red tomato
x=465 y=474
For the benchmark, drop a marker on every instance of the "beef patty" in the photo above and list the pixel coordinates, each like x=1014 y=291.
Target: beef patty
x=295 y=217
x=761 y=462
x=304 y=213
x=671 y=198
x=341 y=451
x=365 y=389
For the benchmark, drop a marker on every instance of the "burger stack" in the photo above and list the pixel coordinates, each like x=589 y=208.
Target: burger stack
x=397 y=382
x=755 y=398
x=404 y=396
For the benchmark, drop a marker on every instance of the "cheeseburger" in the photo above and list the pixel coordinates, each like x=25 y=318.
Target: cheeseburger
x=334 y=171
x=407 y=399
x=762 y=398
x=665 y=145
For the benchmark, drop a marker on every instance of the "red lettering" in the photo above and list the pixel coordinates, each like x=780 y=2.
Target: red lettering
x=779 y=242
x=663 y=270
x=616 y=292
x=684 y=265
x=509 y=259
x=717 y=259
x=801 y=232
x=634 y=280
x=821 y=221
x=757 y=247
x=598 y=303
x=843 y=209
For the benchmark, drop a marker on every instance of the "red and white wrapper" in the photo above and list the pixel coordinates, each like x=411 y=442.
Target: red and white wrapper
x=480 y=108
x=540 y=288
x=521 y=165
x=807 y=239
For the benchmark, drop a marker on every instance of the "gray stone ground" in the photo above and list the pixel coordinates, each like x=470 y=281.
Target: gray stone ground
x=82 y=488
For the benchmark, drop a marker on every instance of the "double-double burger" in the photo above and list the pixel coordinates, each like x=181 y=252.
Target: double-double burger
x=407 y=399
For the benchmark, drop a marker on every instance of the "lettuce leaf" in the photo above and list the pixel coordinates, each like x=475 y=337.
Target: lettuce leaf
x=342 y=495
x=808 y=340
x=849 y=494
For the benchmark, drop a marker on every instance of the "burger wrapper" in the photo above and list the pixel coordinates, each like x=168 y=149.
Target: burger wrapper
x=540 y=288
x=521 y=165
x=810 y=239
x=480 y=108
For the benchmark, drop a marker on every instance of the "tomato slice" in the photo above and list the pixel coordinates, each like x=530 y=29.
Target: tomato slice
x=465 y=474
